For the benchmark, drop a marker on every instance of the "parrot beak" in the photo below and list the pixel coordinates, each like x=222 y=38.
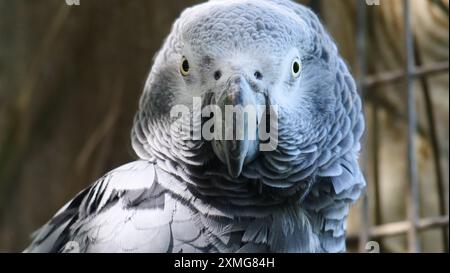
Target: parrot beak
x=235 y=148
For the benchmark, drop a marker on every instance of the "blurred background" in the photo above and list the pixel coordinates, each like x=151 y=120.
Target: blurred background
x=71 y=77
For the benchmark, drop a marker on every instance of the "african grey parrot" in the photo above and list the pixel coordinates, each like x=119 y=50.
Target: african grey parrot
x=198 y=195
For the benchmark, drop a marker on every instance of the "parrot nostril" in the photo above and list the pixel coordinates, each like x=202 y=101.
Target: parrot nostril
x=217 y=75
x=258 y=75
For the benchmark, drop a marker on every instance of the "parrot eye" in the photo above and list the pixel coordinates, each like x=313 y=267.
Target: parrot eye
x=184 y=66
x=296 y=67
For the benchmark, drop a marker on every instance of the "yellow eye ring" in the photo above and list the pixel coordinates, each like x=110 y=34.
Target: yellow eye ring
x=296 y=67
x=184 y=66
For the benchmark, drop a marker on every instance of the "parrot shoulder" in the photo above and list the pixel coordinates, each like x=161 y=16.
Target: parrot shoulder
x=126 y=210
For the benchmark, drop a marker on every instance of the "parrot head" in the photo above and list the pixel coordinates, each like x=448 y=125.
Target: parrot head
x=246 y=54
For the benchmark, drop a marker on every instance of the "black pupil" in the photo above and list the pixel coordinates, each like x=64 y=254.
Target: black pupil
x=185 y=66
x=296 y=67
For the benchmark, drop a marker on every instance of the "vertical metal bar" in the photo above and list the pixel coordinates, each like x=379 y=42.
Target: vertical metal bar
x=434 y=139
x=361 y=51
x=375 y=143
x=413 y=187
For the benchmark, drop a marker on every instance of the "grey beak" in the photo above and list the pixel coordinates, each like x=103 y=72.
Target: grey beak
x=235 y=149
